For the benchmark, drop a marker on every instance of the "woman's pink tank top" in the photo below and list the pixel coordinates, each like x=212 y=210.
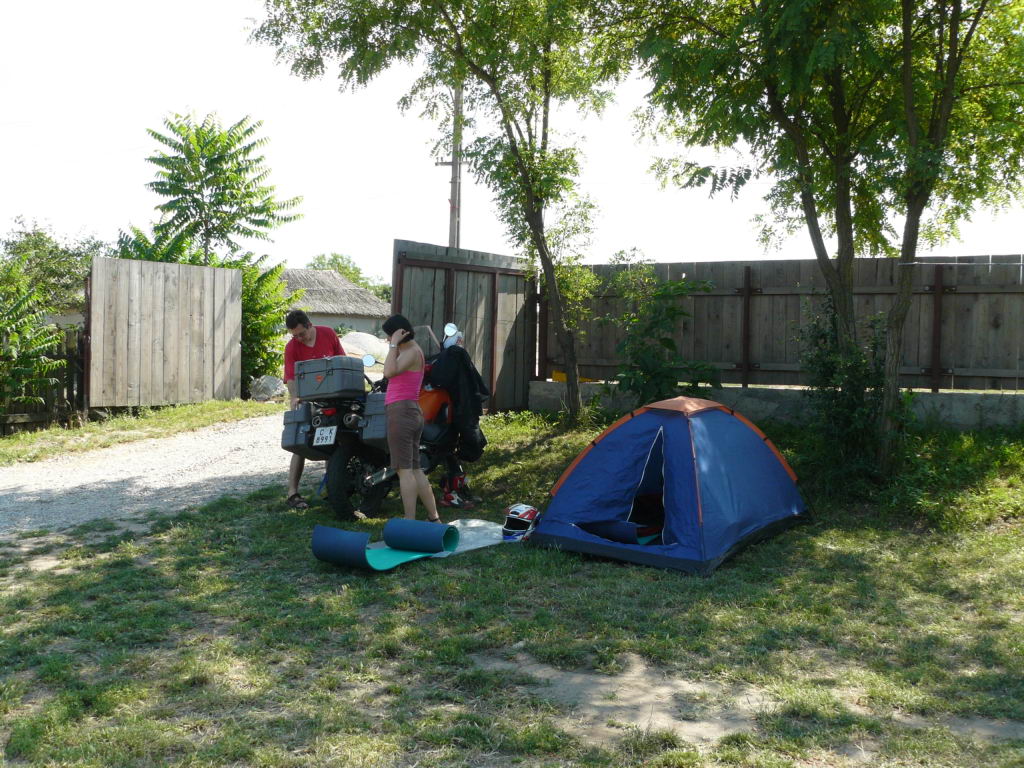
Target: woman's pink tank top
x=406 y=385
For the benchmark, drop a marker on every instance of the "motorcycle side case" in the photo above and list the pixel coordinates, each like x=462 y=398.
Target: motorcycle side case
x=329 y=378
x=298 y=433
x=375 y=433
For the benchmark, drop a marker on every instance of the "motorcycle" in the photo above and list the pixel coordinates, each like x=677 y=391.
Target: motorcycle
x=346 y=426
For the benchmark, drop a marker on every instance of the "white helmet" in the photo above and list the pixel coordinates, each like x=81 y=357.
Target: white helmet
x=520 y=520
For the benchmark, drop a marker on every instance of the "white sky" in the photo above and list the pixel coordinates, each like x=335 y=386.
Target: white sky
x=81 y=83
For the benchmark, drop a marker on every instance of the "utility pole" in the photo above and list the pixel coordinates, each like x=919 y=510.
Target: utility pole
x=455 y=201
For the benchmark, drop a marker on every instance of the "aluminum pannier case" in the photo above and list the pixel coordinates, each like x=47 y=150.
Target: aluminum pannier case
x=329 y=378
x=297 y=436
x=375 y=430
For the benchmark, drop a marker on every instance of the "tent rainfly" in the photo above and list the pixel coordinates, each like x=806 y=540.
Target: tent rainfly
x=682 y=484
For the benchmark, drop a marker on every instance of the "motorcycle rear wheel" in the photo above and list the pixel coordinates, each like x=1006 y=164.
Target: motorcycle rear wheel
x=345 y=490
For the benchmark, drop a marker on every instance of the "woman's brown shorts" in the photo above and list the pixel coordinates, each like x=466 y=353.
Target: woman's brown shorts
x=405 y=426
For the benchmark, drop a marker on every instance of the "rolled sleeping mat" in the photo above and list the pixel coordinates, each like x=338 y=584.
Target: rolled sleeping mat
x=420 y=535
x=404 y=541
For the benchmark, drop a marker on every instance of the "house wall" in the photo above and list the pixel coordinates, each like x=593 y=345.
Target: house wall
x=365 y=324
x=71 y=319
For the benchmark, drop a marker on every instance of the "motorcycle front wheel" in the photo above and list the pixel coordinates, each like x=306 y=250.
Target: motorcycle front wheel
x=345 y=492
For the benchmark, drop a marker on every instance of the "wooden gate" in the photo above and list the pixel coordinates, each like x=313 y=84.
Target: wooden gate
x=159 y=333
x=489 y=297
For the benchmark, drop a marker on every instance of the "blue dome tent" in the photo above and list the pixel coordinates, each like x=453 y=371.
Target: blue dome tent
x=681 y=483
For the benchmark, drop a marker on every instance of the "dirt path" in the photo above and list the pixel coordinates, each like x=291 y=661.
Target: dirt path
x=602 y=706
x=123 y=481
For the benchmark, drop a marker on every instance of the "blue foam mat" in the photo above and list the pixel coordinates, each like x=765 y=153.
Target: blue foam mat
x=404 y=541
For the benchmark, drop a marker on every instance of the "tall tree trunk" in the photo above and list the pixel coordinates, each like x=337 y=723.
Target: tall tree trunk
x=895 y=322
x=842 y=172
x=921 y=174
x=838 y=274
x=890 y=396
x=566 y=339
x=839 y=279
x=533 y=212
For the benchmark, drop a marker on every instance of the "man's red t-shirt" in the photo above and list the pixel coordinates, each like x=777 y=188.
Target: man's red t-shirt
x=325 y=345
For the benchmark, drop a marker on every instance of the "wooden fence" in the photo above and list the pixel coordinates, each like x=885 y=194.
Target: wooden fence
x=488 y=296
x=160 y=334
x=965 y=329
x=60 y=401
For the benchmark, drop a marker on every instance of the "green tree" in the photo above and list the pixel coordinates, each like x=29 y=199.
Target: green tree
x=652 y=366
x=382 y=291
x=214 y=182
x=58 y=269
x=543 y=56
x=26 y=341
x=343 y=265
x=264 y=305
x=136 y=244
x=215 y=185
x=879 y=121
x=347 y=268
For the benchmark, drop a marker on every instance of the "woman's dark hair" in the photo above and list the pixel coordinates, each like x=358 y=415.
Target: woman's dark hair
x=395 y=322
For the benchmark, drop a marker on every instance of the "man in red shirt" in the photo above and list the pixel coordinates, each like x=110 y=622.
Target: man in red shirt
x=308 y=342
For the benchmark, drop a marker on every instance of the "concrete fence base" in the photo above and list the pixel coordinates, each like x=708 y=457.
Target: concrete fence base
x=959 y=410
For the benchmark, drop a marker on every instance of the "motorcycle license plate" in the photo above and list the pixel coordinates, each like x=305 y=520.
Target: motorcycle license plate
x=324 y=435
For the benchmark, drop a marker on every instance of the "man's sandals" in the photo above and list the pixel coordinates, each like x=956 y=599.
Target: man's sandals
x=295 y=501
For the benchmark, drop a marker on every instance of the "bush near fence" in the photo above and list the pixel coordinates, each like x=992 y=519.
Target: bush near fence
x=63 y=402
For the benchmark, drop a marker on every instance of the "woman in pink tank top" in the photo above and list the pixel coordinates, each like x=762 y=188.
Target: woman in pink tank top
x=403 y=368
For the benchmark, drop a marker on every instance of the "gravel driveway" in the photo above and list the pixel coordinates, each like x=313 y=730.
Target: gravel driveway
x=166 y=474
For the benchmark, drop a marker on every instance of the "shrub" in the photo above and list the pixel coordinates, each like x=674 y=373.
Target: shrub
x=56 y=267
x=846 y=382
x=264 y=305
x=652 y=367
x=25 y=339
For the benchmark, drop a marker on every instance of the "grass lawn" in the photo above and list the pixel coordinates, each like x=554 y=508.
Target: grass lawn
x=150 y=422
x=215 y=639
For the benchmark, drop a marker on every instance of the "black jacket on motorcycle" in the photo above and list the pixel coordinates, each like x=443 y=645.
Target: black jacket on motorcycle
x=454 y=371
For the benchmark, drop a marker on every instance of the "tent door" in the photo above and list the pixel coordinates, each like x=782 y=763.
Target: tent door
x=648 y=510
x=646 y=517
